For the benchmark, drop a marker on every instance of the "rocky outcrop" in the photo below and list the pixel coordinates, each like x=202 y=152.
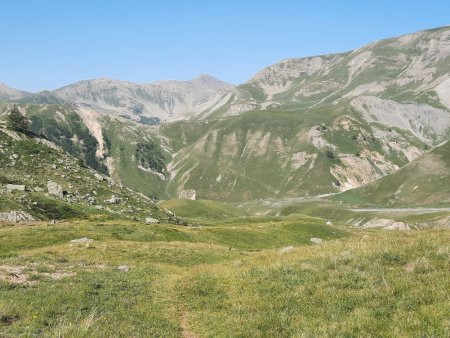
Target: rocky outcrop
x=16 y=217
x=387 y=224
x=189 y=194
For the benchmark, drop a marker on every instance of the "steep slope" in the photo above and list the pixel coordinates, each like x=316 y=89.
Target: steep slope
x=41 y=181
x=272 y=154
x=322 y=124
x=424 y=181
x=411 y=67
x=301 y=127
x=128 y=152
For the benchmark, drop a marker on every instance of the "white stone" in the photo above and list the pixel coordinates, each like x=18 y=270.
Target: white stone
x=150 y=220
x=286 y=249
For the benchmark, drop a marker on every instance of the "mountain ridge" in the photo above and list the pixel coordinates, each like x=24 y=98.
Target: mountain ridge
x=301 y=127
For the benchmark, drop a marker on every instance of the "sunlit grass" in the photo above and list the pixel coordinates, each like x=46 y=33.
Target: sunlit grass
x=229 y=279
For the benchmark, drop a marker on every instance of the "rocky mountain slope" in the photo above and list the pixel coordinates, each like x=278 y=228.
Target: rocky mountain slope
x=412 y=67
x=301 y=127
x=324 y=124
x=39 y=180
x=255 y=155
x=150 y=103
x=424 y=181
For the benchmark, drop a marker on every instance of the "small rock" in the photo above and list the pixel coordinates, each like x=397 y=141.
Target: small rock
x=19 y=187
x=123 y=268
x=329 y=223
x=81 y=240
x=113 y=200
x=150 y=220
x=99 y=177
x=286 y=249
x=316 y=240
x=54 y=189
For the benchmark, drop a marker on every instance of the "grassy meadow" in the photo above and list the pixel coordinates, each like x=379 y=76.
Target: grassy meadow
x=227 y=278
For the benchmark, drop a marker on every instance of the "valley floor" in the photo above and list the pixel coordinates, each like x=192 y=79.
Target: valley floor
x=243 y=277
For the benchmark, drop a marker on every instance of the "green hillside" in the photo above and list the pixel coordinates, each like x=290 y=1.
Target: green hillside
x=203 y=210
x=282 y=153
x=301 y=127
x=425 y=181
x=30 y=163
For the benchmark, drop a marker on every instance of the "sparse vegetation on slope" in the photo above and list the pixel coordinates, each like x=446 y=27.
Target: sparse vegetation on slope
x=425 y=181
x=41 y=179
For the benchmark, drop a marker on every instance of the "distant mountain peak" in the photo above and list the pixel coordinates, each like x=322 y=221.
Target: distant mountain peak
x=206 y=78
x=8 y=93
x=212 y=82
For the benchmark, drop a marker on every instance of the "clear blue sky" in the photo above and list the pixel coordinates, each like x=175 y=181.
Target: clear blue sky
x=47 y=44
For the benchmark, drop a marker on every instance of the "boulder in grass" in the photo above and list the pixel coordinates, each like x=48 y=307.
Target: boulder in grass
x=18 y=187
x=316 y=240
x=150 y=220
x=123 y=268
x=113 y=200
x=55 y=189
x=286 y=249
x=83 y=240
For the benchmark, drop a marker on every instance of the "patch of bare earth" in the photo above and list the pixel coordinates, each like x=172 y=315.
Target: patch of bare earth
x=186 y=331
x=18 y=274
